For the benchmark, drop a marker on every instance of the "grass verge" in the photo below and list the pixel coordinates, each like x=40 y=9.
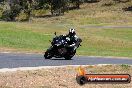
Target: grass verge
x=35 y=38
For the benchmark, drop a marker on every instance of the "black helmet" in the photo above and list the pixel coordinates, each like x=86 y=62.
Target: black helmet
x=72 y=32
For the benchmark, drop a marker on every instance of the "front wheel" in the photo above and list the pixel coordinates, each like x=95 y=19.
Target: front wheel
x=47 y=55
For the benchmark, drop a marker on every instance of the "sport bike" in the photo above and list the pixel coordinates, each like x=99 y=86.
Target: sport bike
x=59 y=48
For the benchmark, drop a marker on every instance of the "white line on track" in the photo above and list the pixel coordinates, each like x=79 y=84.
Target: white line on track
x=46 y=67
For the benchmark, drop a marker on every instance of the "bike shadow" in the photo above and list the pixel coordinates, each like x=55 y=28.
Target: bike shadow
x=60 y=59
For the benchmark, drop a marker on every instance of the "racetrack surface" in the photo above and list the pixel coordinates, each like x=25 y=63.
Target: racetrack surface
x=11 y=60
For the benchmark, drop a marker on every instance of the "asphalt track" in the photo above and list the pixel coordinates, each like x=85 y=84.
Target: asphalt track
x=11 y=60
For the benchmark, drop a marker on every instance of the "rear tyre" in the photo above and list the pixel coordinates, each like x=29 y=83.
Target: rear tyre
x=67 y=58
x=47 y=55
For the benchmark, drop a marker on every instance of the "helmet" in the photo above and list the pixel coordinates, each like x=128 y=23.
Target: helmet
x=72 y=32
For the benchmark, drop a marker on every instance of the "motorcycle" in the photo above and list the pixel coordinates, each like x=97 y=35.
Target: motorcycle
x=59 y=49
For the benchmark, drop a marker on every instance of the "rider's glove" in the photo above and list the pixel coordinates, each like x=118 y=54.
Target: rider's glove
x=72 y=45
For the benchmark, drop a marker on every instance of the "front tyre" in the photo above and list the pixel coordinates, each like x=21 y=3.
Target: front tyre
x=47 y=55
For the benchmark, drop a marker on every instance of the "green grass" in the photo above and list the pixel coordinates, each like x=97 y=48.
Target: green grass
x=23 y=39
x=14 y=37
x=107 y=42
x=35 y=37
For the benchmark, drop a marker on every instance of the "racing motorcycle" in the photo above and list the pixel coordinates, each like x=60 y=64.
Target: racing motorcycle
x=59 y=48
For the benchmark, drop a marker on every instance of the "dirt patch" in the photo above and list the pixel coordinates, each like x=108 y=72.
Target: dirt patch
x=22 y=51
x=60 y=77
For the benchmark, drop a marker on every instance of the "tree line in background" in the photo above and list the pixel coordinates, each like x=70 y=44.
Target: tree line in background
x=11 y=9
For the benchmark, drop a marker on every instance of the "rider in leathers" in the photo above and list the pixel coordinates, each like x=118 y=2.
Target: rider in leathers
x=72 y=39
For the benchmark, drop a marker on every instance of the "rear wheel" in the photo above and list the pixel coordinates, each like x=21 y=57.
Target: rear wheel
x=68 y=56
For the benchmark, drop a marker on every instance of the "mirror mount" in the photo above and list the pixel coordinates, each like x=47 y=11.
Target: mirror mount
x=49 y=40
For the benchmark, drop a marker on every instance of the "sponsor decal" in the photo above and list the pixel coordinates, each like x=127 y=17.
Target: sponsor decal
x=83 y=78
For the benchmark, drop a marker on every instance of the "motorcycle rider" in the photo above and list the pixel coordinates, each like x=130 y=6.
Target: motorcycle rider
x=63 y=46
x=72 y=39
